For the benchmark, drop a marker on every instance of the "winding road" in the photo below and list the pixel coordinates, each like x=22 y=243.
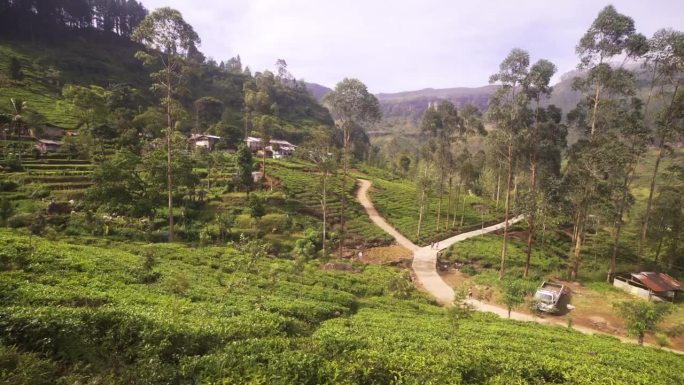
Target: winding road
x=425 y=258
x=425 y=267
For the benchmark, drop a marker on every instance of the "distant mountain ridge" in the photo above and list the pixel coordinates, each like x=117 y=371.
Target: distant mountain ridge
x=402 y=111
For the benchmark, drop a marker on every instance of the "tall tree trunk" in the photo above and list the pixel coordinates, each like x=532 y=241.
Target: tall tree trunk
x=595 y=109
x=324 y=206
x=263 y=164
x=618 y=229
x=533 y=191
x=504 y=246
x=463 y=210
x=448 y=210
x=651 y=192
x=661 y=147
x=441 y=192
x=422 y=204
x=420 y=213
x=347 y=133
x=673 y=252
x=532 y=218
x=660 y=245
x=458 y=196
x=498 y=185
x=579 y=239
x=169 y=168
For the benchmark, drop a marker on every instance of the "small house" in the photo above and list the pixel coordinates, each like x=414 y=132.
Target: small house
x=257 y=175
x=650 y=286
x=279 y=148
x=254 y=144
x=204 y=141
x=44 y=146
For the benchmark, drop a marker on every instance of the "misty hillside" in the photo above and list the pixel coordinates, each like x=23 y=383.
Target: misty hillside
x=402 y=111
x=317 y=91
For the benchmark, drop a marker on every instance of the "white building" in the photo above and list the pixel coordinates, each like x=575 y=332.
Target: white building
x=279 y=148
x=204 y=141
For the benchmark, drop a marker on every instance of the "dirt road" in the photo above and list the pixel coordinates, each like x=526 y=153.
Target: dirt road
x=425 y=266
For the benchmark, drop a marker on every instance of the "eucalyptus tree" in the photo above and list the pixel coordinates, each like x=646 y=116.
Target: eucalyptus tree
x=470 y=124
x=169 y=41
x=322 y=153
x=509 y=113
x=633 y=136
x=542 y=146
x=668 y=217
x=665 y=63
x=441 y=124
x=352 y=106
x=425 y=164
x=610 y=36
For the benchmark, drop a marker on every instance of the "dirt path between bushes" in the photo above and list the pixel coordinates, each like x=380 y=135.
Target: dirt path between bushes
x=425 y=267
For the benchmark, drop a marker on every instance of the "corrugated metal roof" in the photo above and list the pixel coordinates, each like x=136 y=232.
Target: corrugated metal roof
x=47 y=141
x=658 y=282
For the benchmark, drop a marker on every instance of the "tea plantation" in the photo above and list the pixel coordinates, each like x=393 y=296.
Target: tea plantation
x=397 y=199
x=95 y=311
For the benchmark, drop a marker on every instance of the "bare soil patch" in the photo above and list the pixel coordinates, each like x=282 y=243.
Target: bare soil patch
x=593 y=309
x=393 y=255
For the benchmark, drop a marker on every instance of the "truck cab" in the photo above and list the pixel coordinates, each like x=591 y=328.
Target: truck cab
x=548 y=295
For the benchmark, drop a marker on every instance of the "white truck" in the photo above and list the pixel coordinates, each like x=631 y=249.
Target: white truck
x=548 y=295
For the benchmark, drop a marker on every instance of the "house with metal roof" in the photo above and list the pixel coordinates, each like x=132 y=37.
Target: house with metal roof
x=649 y=285
x=204 y=141
x=43 y=146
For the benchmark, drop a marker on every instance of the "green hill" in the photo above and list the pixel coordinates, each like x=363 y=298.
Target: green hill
x=97 y=58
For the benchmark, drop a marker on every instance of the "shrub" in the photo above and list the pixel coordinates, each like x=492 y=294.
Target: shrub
x=6 y=210
x=469 y=270
x=15 y=72
x=8 y=186
x=274 y=222
x=21 y=220
x=244 y=221
x=25 y=368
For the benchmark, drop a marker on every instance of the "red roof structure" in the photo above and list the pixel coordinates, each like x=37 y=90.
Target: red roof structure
x=658 y=282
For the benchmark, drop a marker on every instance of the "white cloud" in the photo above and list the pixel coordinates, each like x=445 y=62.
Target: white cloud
x=402 y=44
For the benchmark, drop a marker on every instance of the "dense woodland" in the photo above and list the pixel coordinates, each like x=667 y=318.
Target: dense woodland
x=127 y=255
x=41 y=17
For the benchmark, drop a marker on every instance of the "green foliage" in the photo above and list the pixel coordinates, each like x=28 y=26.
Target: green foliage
x=121 y=185
x=256 y=206
x=642 y=316
x=460 y=309
x=307 y=247
x=245 y=168
x=6 y=210
x=400 y=286
x=15 y=72
x=212 y=318
x=514 y=292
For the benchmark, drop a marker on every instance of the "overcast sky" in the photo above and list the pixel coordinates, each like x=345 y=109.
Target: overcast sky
x=401 y=45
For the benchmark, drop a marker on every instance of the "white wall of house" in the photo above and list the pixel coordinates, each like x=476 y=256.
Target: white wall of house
x=635 y=291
